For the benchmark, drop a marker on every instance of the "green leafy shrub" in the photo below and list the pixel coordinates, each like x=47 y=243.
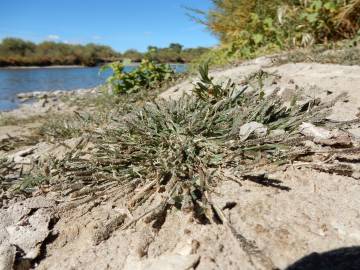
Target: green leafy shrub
x=147 y=75
x=249 y=28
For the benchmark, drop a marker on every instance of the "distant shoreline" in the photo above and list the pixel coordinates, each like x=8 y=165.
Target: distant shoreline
x=70 y=66
x=35 y=67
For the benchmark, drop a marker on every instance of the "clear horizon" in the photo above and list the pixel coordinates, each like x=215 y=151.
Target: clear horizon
x=122 y=25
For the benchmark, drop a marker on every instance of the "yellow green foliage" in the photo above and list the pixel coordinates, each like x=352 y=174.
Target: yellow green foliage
x=230 y=17
x=18 y=52
x=247 y=28
x=147 y=75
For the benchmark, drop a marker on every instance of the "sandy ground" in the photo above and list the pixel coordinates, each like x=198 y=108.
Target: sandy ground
x=310 y=213
x=21 y=122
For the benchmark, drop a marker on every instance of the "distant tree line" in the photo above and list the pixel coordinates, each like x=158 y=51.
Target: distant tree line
x=175 y=53
x=18 y=52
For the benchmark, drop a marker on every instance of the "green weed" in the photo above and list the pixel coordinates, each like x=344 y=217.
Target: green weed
x=147 y=75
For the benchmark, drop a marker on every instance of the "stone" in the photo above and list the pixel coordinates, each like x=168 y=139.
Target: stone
x=255 y=129
x=7 y=256
x=164 y=262
x=277 y=132
x=30 y=232
x=311 y=130
x=355 y=132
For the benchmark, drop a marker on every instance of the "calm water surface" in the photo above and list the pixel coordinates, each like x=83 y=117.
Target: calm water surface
x=14 y=81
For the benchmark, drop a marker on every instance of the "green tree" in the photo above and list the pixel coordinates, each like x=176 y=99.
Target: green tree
x=14 y=51
x=17 y=46
x=176 y=47
x=152 y=48
x=133 y=55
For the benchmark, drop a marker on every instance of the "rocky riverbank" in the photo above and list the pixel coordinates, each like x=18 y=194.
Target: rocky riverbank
x=40 y=103
x=270 y=219
x=54 y=94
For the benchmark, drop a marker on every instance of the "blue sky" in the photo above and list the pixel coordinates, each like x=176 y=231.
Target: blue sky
x=122 y=24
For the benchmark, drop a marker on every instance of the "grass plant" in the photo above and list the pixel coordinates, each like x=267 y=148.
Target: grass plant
x=180 y=149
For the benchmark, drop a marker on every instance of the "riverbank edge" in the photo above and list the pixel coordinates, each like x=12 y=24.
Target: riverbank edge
x=132 y=64
x=38 y=67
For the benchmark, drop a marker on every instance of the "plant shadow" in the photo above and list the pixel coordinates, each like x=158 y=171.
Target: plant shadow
x=339 y=259
x=266 y=181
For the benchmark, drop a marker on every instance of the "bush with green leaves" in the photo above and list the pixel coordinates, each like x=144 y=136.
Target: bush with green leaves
x=147 y=75
x=250 y=28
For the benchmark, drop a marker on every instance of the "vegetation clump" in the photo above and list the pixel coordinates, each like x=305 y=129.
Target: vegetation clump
x=18 y=52
x=147 y=75
x=247 y=29
x=181 y=149
x=174 y=53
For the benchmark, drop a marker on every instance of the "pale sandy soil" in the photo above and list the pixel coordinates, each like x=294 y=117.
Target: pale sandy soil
x=302 y=211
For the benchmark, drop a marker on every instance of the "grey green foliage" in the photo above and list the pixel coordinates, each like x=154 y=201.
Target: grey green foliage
x=180 y=148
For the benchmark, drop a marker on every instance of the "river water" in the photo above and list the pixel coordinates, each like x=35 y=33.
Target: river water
x=14 y=81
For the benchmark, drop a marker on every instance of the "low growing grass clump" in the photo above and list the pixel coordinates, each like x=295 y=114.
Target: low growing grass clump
x=97 y=112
